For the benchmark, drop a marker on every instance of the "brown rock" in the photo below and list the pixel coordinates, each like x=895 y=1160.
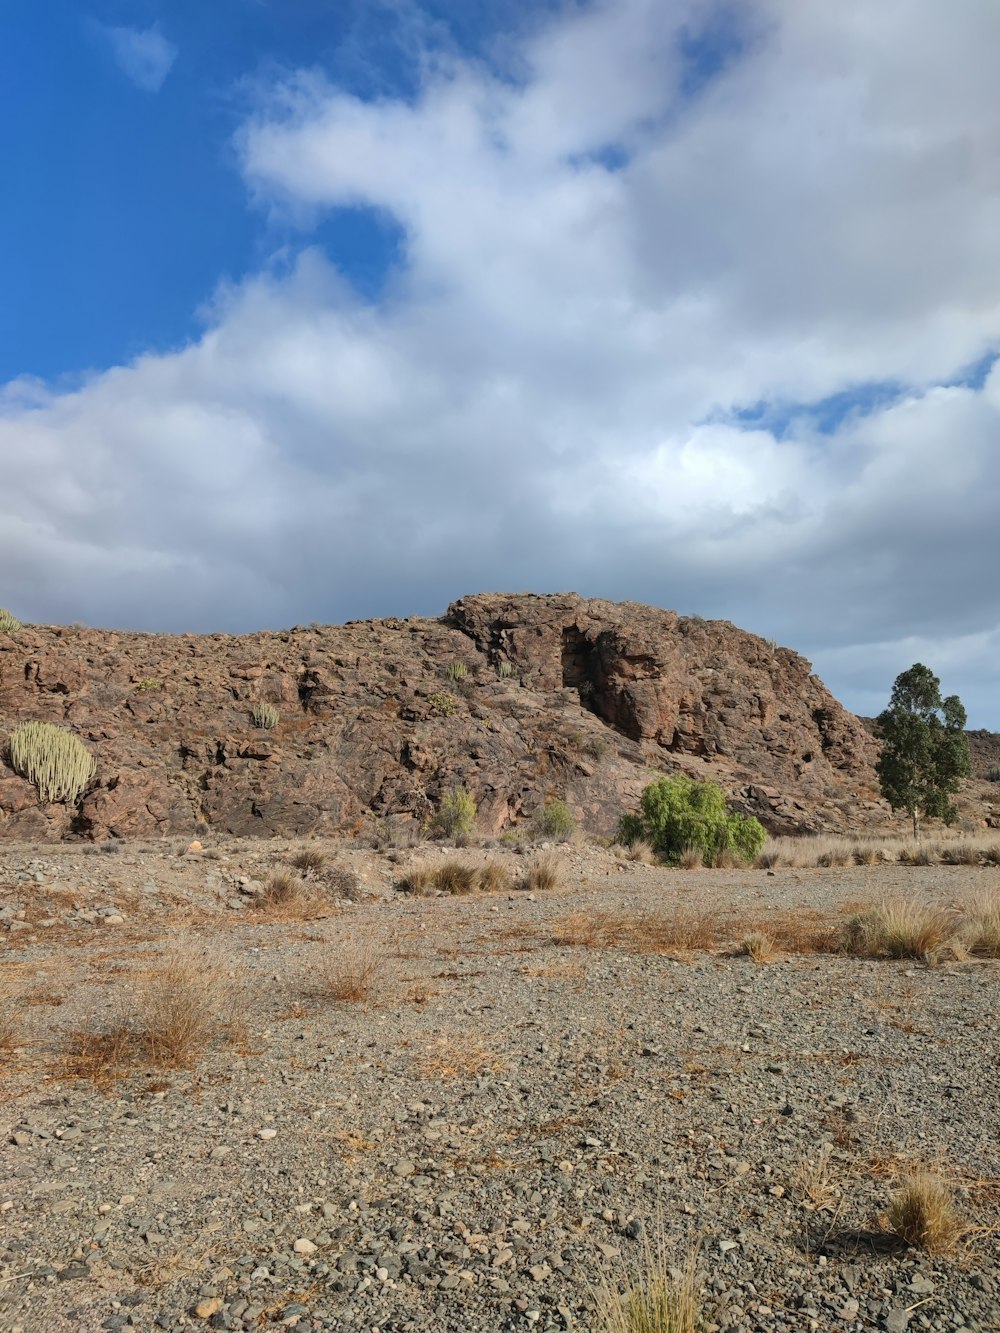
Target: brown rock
x=598 y=697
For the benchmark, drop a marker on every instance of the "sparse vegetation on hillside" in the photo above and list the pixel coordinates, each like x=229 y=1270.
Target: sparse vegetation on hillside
x=456 y=816
x=678 y=814
x=554 y=820
x=264 y=715
x=9 y=623
x=53 y=759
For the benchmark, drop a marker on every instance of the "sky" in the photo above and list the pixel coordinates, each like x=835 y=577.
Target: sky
x=324 y=309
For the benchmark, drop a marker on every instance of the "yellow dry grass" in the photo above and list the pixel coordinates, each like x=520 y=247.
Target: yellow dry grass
x=922 y=1213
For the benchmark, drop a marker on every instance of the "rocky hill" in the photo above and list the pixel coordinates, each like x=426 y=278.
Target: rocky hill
x=518 y=698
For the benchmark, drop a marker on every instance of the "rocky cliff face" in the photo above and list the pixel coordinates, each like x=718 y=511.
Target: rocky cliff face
x=518 y=698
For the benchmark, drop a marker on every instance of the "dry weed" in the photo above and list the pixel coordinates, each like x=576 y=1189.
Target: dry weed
x=900 y=928
x=169 y=1017
x=11 y=1008
x=981 y=932
x=457 y=877
x=813 y=1181
x=309 y=859
x=657 y=1299
x=691 y=858
x=494 y=877
x=642 y=851
x=923 y=1215
x=543 y=874
x=348 y=973
x=759 y=946
x=291 y=896
x=458 y=1058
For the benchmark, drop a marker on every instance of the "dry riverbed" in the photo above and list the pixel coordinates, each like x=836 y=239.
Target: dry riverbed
x=469 y=1113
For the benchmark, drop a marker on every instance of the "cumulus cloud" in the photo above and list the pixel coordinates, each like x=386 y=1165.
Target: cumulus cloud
x=143 y=54
x=621 y=291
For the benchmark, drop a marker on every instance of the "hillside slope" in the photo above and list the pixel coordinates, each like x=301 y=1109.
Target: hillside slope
x=520 y=698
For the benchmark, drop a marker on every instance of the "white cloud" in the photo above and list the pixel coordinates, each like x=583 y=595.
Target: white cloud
x=144 y=55
x=544 y=396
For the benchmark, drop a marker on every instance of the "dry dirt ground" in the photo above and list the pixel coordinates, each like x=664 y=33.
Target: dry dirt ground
x=474 y=1113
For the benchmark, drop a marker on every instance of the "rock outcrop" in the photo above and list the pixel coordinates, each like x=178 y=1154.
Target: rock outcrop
x=519 y=698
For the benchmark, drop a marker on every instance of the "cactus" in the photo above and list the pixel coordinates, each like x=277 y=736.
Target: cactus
x=9 y=623
x=265 y=715
x=457 y=671
x=56 y=761
x=505 y=669
x=994 y=773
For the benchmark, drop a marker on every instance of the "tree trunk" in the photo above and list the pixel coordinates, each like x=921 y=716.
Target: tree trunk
x=915 y=816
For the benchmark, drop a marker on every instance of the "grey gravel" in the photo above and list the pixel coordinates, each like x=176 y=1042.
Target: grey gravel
x=505 y=1123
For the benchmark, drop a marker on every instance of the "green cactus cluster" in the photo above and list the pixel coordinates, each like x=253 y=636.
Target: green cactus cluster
x=265 y=715
x=9 y=623
x=56 y=761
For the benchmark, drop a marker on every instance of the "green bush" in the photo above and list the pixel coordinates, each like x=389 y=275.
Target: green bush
x=457 y=671
x=442 y=703
x=554 y=820
x=265 y=715
x=505 y=669
x=56 y=761
x=9 y=624
x=677 y=813
x=457 y=815
x=994 y=773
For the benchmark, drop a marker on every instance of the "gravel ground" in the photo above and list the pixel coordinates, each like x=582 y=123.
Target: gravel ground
x=505 y=1122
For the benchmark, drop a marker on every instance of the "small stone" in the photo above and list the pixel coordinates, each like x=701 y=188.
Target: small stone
x=205 y=1309
x=897 y=1321
x=403 y=1168
x=726 y=1245
x=304 y=1246
x=194 y=848
x=267 y=1134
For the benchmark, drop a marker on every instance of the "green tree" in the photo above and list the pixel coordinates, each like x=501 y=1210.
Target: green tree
x=925 y=752
x=678 y=813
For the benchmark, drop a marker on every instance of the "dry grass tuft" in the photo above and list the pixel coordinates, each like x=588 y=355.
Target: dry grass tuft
x=759 y=946
x=290 y=895
x=900 y=928
x=348 y=975
x=309 y=859
x=494 y=877
x=691 y=858
x=814 y=1181
x=923 y=1215
x=458 y=1058
x=642 y=851
x=420 y=881
x=545 y=873
x=981 y=933
x=659 y=1299
x=961 y=854
x=10 y=1017
x=457 y=877
x=171 y=1016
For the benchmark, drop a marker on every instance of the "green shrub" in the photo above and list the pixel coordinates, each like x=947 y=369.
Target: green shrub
x=677 y=814
x=505 y=669
x=149 y=683
x=554 y=820
x=457 y=671
x=9 y=624
x=993 y=774
x=56 y=761
x=457 y=815
x=265 y=715
x=442 y=703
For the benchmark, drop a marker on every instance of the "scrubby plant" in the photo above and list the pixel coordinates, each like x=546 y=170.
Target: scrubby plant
x=456 y=816
x=923 y=1215
x=264 y=715
x=598 y=747
x=56 y=761
x=900 y=928
x=149 y=683
x=309 y=860
x=9 y=623
x=554 y=819
x=457 y=671
x=505 y=669
x=993 y=773
x=442 y=703
x=678 y=813
x=544 y=874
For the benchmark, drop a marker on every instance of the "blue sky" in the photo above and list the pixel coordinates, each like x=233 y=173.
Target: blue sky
x=316 y=310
